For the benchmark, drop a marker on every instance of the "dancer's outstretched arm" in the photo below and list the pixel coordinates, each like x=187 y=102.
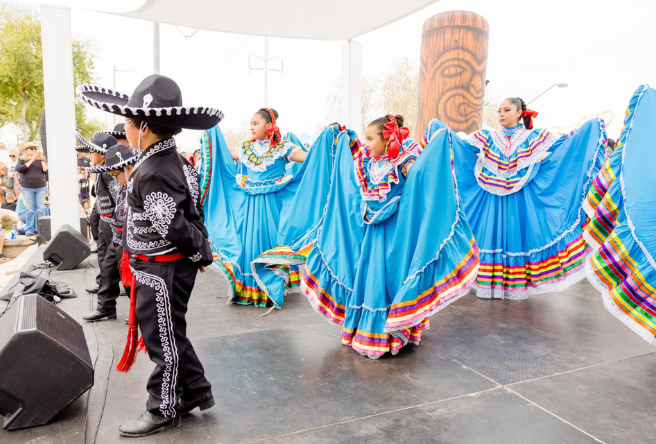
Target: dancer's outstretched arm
x=299 y=156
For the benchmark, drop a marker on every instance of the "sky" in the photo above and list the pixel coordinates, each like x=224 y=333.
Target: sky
x=599 y=48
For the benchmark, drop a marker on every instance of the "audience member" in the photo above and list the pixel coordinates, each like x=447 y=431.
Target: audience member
x=10 y=201
x=32 y=167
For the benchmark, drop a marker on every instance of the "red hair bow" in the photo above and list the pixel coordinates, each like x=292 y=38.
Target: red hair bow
x=274 y=130
x=530 y=113
x=396 y=136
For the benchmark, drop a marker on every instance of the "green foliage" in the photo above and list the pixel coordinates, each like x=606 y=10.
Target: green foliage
x=21 y=71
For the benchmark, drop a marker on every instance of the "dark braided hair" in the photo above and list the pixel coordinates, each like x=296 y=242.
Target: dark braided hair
x=380 y=122
x=264 y=114
x=521 y=106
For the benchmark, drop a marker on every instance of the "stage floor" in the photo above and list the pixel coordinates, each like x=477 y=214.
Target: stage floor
x=557 y=368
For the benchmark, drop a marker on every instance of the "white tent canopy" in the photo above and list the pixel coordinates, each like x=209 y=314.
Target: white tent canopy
x=301 y=19
x=298 y=19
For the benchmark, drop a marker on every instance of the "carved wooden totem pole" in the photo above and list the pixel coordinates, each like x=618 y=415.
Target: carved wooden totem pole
x=452 y=73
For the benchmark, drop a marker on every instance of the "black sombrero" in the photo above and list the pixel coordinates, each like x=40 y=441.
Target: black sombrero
x=118 y=132
x=117 y=158
x=99 y=144
x=156 y=100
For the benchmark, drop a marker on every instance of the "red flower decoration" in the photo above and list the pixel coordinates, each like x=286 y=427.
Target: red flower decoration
x=532 y=114
x=396 y=136
x=274 y=131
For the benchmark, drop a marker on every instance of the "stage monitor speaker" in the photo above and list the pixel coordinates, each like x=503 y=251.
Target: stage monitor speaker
x=67 y=248
x=44 y=362
x=43 y=227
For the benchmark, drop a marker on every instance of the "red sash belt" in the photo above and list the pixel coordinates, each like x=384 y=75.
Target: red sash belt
x=119 y=228
x=161 y=258
x=107 y=215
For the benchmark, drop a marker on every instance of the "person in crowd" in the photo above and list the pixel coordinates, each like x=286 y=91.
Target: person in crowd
x=610 y=147
x=82 y=161
x=21 y=210
x=3 y=258
x=196 y=162
x=11 y=170
x=84 y=186
x=10 y=201
x=32 y=167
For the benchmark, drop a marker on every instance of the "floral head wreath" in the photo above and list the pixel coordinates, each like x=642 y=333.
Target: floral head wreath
x=274 y=131
x=396 y=136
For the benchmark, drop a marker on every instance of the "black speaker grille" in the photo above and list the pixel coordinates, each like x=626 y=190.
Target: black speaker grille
x=27 y=320
x=62 y=329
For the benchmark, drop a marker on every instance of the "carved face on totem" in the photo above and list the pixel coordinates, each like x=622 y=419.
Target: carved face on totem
x=452 y=75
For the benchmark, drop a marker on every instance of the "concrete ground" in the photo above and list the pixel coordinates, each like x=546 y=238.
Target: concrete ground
x=557 y=368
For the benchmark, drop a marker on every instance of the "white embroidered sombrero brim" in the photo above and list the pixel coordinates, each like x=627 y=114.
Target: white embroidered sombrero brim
x=116 y=134
x=88 y=145
x=107 y=168
x=194 y=117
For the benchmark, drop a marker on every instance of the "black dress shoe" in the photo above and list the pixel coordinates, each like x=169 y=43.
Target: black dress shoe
x=92 y=289
x=204 y=402
x=99 y=315
x=147 y=424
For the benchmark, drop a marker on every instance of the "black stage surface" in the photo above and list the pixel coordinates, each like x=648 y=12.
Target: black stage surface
x=556 y=368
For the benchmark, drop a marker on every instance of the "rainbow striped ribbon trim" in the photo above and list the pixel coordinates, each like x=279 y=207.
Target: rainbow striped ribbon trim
x=510 y=164
x=627 y=288
x=532 y=274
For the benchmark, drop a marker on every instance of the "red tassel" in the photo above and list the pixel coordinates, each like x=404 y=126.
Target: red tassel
x=124 y=268
x=130 y=353
x=141 y=346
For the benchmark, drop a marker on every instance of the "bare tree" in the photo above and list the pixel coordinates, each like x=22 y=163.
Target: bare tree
x=393 y=93
x=398 y=94
x=370 y=96
x=491 y=108
x=236 y=135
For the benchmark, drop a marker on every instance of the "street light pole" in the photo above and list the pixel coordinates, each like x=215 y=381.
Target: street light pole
x=266 y=72
x=559 y=85
x=155 y=47
x=266 y=60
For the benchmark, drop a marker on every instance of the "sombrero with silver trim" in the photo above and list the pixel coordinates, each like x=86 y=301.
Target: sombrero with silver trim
x=118 y=132
x=100 y=143
x=157 y=100
x=117 y=158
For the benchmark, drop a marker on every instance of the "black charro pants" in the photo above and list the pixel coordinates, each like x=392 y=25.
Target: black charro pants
x=104 y=241
x=110 y=278
x=162 y=292
x=94 y=220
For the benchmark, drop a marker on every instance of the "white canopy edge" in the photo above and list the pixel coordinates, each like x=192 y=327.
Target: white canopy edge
x=295 y=19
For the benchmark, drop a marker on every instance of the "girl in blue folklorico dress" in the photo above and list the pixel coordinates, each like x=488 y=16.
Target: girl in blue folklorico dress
x=393 y=246
x=523 y=191
x=244 y=192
